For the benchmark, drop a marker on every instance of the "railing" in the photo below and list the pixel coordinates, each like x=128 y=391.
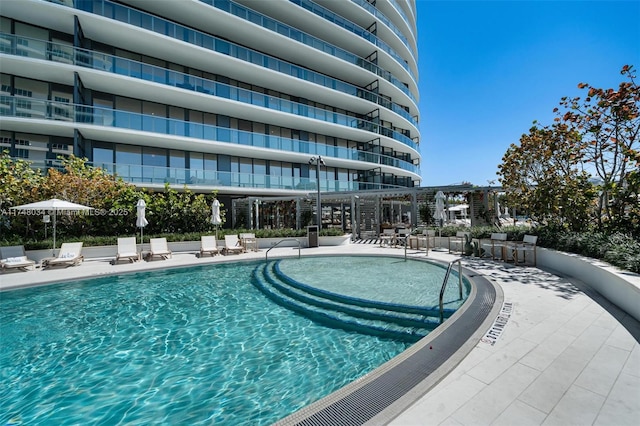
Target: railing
x=444 y=285
x=221 y=46
x=266 y=255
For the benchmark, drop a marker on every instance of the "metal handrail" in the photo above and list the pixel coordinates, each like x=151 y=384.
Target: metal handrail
x=444 y=285
x=406 y=244
x=266 y=255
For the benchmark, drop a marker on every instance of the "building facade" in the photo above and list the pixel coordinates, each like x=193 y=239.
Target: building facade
x=235 y=96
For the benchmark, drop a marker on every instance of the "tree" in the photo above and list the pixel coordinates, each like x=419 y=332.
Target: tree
x=609 y=123
x=113 y=199
x=18 y=181
x=544 y=175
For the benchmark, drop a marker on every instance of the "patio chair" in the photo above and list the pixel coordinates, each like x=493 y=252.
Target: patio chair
x=208 y=244
x=401 y=236
x=127 y=249
x=457 y=243
x=14 y=257
x=388 y=237
x=249 y=242
x=70 y=254
x=158 y=248
x=497 y=242
x=232 y=244
x=528 y=244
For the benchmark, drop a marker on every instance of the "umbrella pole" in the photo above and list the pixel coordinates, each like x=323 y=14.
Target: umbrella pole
x=54 y=232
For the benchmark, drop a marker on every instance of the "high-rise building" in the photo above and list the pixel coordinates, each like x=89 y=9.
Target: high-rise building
x=237 y=96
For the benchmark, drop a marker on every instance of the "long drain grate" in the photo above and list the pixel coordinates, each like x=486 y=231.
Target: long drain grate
x=372 y=398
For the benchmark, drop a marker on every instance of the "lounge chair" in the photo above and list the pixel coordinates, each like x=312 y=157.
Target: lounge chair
x=14 y=257
x=208 y=244
x=528 y=243
x=158 y=247
x=232 y=244
x=497 y=242
x=127 y=249
x=70 y=254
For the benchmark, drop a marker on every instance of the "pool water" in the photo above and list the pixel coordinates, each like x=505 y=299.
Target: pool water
x=185 y=346
x=383 y=279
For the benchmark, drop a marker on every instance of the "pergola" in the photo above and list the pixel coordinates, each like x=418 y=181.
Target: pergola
x=363 y=213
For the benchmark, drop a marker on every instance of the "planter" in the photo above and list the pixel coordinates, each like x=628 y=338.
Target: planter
x=621 y=288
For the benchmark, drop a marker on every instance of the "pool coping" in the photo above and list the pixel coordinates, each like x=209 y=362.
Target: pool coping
x=411 y=374
x=390 y=408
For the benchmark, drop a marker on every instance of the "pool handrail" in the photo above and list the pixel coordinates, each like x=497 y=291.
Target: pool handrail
x=266 y=255
x=444 y=285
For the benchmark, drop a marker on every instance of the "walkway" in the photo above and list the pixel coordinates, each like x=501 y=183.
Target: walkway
x=561 y=355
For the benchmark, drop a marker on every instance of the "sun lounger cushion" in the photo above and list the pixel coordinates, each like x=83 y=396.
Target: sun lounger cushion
x=15 y=259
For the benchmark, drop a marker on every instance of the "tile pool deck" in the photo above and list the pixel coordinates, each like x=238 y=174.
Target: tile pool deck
x=564 y=356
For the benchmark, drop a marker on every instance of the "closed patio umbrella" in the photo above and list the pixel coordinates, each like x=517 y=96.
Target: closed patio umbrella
x=54 y=206
x=439 y=214
x=215 y=215
x=141 y=220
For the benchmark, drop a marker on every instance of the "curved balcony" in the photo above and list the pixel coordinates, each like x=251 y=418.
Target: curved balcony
x=383 y=18
x=20 y=107
x=142 y=175
x=40 y=49
x=161 y=26
x=355 y=29
x=307 y=39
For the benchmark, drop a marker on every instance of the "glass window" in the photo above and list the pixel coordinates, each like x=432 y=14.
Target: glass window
x=177 y=165
x=102 y=156
x=128 y=162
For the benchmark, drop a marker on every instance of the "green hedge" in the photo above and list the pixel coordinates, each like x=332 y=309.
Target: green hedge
x=90 y=241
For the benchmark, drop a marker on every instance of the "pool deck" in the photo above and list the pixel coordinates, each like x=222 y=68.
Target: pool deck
x=564 y=355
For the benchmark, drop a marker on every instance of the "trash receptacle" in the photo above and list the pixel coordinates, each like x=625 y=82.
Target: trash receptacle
x=312 y=236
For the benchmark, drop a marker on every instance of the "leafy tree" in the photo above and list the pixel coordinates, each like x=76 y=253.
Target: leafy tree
x=609 y=123
x=18 y=181
x=544 y=175
x=113 y=199
x=172 y=211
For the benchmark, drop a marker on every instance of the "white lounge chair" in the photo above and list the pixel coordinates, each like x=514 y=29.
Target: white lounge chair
x=232 y=244
x=158 y=247
x=208 y=244
x=528 y=244
x=127 y=249
x=14 y=257
x=70 y=254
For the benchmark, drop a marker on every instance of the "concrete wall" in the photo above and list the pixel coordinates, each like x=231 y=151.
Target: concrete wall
x=619 y=287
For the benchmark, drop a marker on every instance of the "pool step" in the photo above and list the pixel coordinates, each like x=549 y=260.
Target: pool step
x=380 y=319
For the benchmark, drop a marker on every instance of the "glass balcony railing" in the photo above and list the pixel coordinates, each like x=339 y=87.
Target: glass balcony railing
x=40 y=49
x=355 y=29
x=375 y=12
x=23 y=107
x=307 y=39
x=139 y=174
x=167 y=28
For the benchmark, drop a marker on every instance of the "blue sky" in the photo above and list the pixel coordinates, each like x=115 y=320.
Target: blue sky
x=488 y=69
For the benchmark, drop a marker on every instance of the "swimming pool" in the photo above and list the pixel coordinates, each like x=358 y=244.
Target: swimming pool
x=199 y=345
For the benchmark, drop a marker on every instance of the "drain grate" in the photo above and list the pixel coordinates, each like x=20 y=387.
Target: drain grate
x=370 y=399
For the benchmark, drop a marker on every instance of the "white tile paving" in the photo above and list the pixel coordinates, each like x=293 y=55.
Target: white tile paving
x=562 y=358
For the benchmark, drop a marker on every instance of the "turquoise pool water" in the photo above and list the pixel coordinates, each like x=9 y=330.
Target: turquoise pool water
x=186 y=346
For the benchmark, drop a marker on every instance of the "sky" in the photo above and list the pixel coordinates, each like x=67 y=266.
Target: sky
x=488 y=69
